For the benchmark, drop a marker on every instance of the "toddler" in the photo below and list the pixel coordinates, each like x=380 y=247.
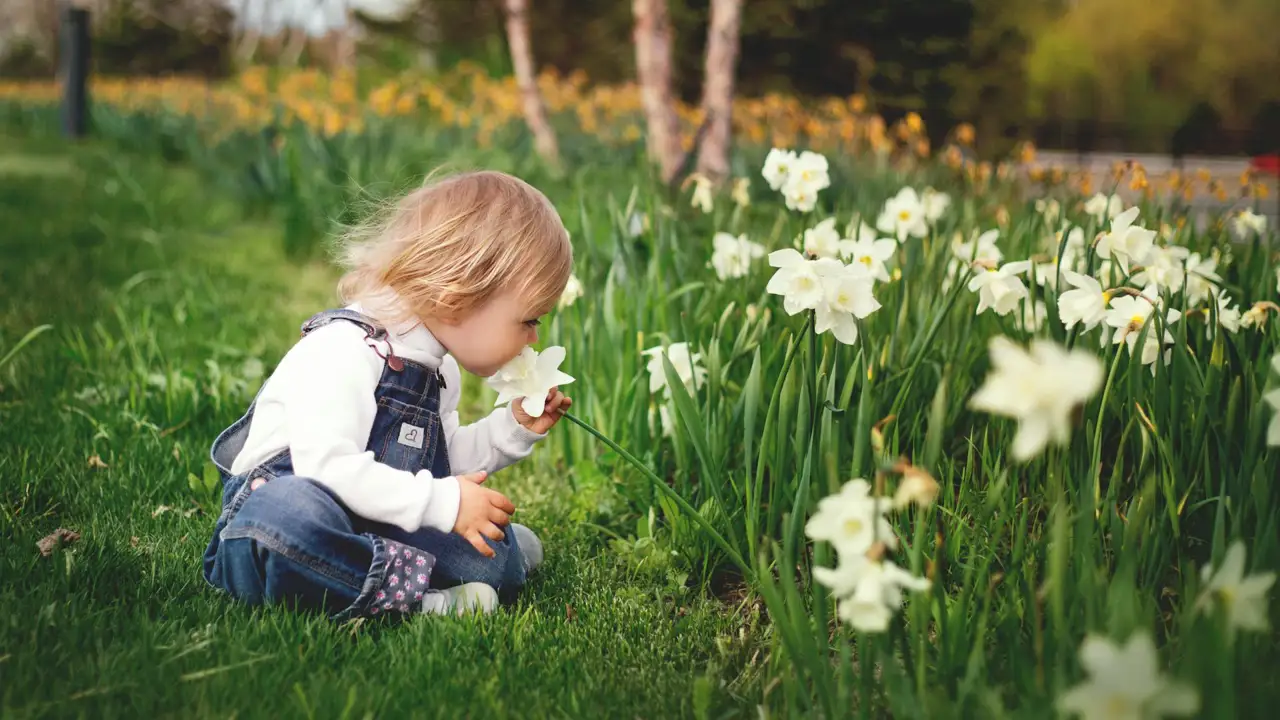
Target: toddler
x=349 y=486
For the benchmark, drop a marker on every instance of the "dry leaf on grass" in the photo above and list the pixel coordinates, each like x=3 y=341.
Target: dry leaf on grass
x=96 y=463
x=55 y=539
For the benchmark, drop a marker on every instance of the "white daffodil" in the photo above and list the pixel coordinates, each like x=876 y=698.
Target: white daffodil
x=1152 y=346
x=981 y=248
x=807 y=175
x=822 y=240
x=702 y=198
x=636 y=224
x=1165 y=267
x=800 y=197
x=851 y=520
x=529 y=377
x=903 y=216
x=660 y=422
x=732 y=256
x=935 y=204
x=1228 y=317
x=877 y=594
x=1050 y=209
x=1128 y=314
x=796 y=281
x=1129 y=244
x=1247 y=224
x=1000 y=289
x=1040 y=389
x=1123 y=682
x=870 y=252
x=1273 y=399
x=572 y=291
x=741 y=194
x=860 y=230
x=1102 y=208
x=1255 y=317
x=1072 y=253
x=687 y=366
x=917 y=487
x=1085 y=304
x=1202 y=278
x=1244 y=599
x=847 y=295
x=777 y=167
x=1278 y=280
x=811 y=169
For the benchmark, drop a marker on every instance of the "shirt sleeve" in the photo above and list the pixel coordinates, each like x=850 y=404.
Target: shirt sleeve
x=329 y=412
x=489 y=444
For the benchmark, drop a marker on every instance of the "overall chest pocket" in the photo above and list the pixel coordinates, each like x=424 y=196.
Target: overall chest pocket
x=404 y=435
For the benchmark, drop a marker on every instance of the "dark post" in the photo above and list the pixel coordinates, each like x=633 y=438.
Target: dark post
x=75 y=70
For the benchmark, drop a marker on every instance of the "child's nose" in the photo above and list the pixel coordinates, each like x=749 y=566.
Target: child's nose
x=533 y=336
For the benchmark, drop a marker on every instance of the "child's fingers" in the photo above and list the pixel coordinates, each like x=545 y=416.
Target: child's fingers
x=482 y=547
x=475 y=477
x=501 y=502
x=493 y=532
x=559 y=401
x=498 y=517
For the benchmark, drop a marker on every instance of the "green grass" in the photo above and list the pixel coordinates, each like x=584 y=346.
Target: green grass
x=159 y=297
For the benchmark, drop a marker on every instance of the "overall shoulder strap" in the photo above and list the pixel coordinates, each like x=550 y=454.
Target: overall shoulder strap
x=319 y=320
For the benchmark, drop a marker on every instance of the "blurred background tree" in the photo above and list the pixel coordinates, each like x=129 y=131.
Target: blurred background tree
x=1180 y=75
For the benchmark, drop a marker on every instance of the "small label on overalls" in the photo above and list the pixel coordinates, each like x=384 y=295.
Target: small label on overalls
x=411 y=435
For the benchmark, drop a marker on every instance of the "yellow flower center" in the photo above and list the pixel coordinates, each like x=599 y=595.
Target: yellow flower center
x=904 y=215
x=865 y=260
x=804 y=283
x=1137 y=320
x=1119 y=706
x=853 y=526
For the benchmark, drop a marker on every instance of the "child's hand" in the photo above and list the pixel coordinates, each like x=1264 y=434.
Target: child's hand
x=480 y=512
x=557 y=404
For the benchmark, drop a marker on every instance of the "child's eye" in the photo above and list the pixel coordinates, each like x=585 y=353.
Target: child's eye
x=533 y=323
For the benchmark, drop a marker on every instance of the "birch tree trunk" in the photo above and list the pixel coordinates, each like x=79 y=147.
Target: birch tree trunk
x=652 y=37
x=535 y=111
x=717 y=88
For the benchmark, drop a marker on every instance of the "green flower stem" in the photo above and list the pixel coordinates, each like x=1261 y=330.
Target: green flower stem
x=1097 y=429
x=746 y=569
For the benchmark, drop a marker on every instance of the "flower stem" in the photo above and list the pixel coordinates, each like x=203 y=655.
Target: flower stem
x=1097 y=429
x=746 y=569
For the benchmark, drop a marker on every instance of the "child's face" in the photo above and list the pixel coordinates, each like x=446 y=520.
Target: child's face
x=492 y=335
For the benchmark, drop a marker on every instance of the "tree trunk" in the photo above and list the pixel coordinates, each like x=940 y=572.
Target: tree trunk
x=652 y=37
x=535 y=111
x=717 y=88
x=343 y=44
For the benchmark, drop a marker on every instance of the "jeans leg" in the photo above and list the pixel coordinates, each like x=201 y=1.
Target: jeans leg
x=458 y=562
x=291 y=541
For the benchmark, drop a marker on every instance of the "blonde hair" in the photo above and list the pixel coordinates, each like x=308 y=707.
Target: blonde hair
x=448 y=247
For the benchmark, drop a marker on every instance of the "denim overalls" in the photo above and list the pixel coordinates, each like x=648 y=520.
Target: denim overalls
x=283 y=538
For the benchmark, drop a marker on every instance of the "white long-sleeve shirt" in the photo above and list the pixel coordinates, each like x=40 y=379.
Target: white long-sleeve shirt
x=319 y=403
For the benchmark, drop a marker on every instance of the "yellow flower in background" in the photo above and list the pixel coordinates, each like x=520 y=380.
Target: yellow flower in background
x=741 y=192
